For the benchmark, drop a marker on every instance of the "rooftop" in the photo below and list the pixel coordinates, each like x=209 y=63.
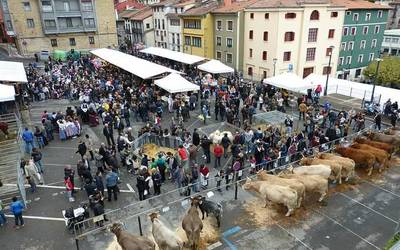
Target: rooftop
x=128 y=4
x=234 y=6
x=359 y=4
x=127 y=13
x=284 y=3
x=395 y=32
x=142 y=14
x=202 y=9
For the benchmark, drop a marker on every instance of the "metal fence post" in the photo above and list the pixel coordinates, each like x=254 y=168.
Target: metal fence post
x=351 y=91
x=77 y=243
x=140 y=225
x=236 y=184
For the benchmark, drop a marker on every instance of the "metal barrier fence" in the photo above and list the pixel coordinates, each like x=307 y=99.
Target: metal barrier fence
x=149 y=138
x=20 y=172
x=162 y=202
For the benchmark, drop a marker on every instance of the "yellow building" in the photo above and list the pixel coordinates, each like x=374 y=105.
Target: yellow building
x=198 y=30
x=61 y=24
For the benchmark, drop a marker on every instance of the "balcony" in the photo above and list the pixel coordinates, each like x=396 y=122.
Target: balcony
x=63 y=29
x=62 y=13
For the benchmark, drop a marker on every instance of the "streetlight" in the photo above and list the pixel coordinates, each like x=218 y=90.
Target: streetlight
x=274 y=61
x=375 y=77
x=329 y=70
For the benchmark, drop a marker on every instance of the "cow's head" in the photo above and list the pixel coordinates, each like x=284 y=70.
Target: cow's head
x=200 y=198
x=153 y=216
x=116 y=228
x=195 y=201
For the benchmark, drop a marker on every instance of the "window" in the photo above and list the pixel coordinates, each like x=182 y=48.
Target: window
x=196 y=42
x=229 y=42
x=66 y=6
x=334 y=14
x=348 y=13
x=250 y=71
x=373 y=43
x=264 y=55
x=376 y=30
x=72 y=42
x=290 y=15
x=286 y=56
x=326 y=70
x=163 y=24
x=367 y=16
x=312 y=35
x=348 y=60
x=341 y=60
x=395 y=40
x=46 y=6
x=387 y=39
x=380 y=13
x=314 y=15
x=328 y=51
x=48 y=24
x=343 y=46
x=87 y=6
x=187 y=40
x=360 y=58
x=365 y=30
x=219 y=55
x=266 y=16
x=264 y=74
x=310 y=55
x=30 y=23
x=191 y=24
x=91 y=40
x=147 y=26
x=252 y=15
x=250 y=53
x=331 y=33
x=362 y=44
x=219 y=25
x=27 y=6
x=89 y=22
x=355 y=17
x=371 y=57
x=229 y=58
x=174 y=22
x=345 y=31
x=353 y=31
x=250 y=34
x=350 y=46
x=9 y=25
x=265 y=36
x=289 y=36
x=219 y=41
x=53 y=42
x=229 y=26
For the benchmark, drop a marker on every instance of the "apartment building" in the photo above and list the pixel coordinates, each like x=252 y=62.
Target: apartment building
x=391 y=42
x=61 y=24
x=291 y=36
x=140 y=27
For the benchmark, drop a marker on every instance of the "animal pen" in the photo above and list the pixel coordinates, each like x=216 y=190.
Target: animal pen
x=151 y=145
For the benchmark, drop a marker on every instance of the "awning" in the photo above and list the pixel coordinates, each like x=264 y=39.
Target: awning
x=174 y=83
x=137 y=66
x=173 y=55
x=215 y=67
x=7 y=93
x=289 y=81
x=12 y=72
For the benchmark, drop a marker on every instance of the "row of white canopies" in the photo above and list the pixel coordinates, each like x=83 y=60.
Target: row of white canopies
x=13 y=72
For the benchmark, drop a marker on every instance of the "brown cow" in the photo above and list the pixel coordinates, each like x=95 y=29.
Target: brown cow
x=192 y=224
x=376 y=144
x=390 y=139
x=381 y=155
x=359 y=156
x=128 y=241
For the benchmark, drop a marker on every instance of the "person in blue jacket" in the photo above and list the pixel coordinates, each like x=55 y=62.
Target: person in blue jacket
x=27 y=136
x=16 y=208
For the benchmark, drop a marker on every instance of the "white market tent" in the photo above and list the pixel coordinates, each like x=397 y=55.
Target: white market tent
x=173 y=55
x=354 y=89
x=12 y=72
x=174 y=83
x=7 y=93
x=289 y=81
x=137 y=66
x=215 y=67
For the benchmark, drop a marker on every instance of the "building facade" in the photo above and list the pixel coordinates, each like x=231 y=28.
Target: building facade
x=142 y=29
x=5 y=37
x=391 y=42
x=393 y=21
x=298 y=38
x=62 y=25
x=362 y=36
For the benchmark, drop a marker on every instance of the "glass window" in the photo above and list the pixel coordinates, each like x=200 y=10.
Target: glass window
x=264 y=55
x=334 y=14
x=252 y=15
x=328 y=51
x=27 y=6
x=196 y=42
x=331 y=33
x=355 y=17
x=230 y=26
x=348 y=13
x=72 y=42
x=314 y=15
x=187 y=40
x=219 y=55
x=192 y=24
x=229 y=58
x=250 y=52
x=377 y=28
x=91 y=40
x=348 y=60
x=367 y=16
x=250 y=34
x=360 y=58
x=250 y=71
x=266 y=15
x=53 y=42
x=265 y=36
x=89 y=22
x=345 y=31
x=286 y=56
x=387 y=40
x=289 y=36
x=371 y=57
x=290 y=15
x=362 y=44
x=50 y=23
x=174 y=22
x=229 y=42
x=350 y=46
x=326 y=70
x=219 y=25
x=219 y=41
x=310 y=55
x=341 y=59
x=46 y=6
x=30 y=23
x=380 y=14
x=373 y=43
x=353 y=31
x=312 y=35
x=343 y=46
x=87 y=6
x=395 y=40
x=365 y=30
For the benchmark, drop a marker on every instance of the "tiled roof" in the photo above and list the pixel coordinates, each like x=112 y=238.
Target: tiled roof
x=183 y=3
x=284 y=3
x=126 y=13
x=234 y=6
x=359 y=4
x=202 y=9
x=128 y=4
x=142 y=14
x=163 y=3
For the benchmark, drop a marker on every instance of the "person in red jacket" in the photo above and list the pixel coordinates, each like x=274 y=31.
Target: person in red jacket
x=218 y=153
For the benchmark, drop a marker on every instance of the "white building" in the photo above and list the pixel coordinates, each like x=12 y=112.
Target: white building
x=391 y=42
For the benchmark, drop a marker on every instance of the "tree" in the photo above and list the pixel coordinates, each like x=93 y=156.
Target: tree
x=388 y=74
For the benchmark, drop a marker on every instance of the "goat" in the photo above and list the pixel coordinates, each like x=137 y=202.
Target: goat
x=210 y=207
x=128 y=241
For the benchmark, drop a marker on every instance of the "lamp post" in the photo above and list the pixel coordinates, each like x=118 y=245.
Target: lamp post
x=375 y=77
x=329 y=70
x=274 y=61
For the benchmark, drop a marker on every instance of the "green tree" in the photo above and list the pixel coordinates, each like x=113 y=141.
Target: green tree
x=388 y=74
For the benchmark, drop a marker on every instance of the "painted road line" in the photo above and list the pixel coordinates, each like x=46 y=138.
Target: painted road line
x=130 y=187
x=381 y=188
x=62 y=187
x=38 y=218
x=294 y=236
x=228 y=233
x=215 y=245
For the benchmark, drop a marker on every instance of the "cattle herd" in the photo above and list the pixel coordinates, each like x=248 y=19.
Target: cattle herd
x=288 y=188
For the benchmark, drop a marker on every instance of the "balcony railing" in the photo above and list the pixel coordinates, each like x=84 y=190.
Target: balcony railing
x=63 y=29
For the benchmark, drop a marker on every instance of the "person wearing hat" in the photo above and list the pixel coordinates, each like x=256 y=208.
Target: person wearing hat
x=205 y=145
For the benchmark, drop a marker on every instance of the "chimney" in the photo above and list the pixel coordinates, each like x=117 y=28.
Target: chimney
x=227 y=2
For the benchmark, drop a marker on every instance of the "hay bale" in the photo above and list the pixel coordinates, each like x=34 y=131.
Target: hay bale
x=152 y=150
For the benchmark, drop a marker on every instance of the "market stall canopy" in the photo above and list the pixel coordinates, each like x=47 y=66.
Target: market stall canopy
x=7 y=93
x=215 y=67
x=137 y=66
x=12 y=72
x=289 y=81
x=174 y=83
x=173 y=55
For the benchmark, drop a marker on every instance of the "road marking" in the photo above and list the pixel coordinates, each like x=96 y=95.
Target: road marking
x=346 y=228
x=130 y=187
x=384 y=189
x=294 y=236
x=62 y=187
x=215 y=245
x=228 y=233
x=38 y=218
x=57 y=147
x=348 y=197
x=54 y=194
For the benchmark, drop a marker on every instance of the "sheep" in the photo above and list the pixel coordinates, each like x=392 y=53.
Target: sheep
x=335 y=167
x=274 y=193
x=348 y=165
x=210 y=207
x=192 y=225
x=293 y=184
x=128 y=241
x=165 y=238
x=359 y=156
x=217 y=135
